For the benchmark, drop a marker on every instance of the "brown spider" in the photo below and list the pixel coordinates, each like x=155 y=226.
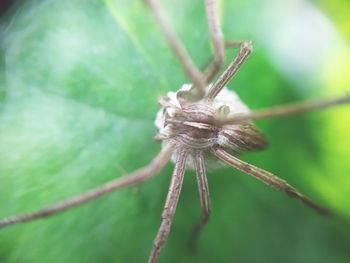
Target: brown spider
x=200 y=119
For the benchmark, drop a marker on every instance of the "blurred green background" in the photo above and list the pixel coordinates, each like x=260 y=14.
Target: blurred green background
x=78 y=87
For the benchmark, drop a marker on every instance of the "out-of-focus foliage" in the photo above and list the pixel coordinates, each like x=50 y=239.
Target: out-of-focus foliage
x=338 y=11
x=79 y=83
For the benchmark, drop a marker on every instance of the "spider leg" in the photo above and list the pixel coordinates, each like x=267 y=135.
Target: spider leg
x=133 y=178
x=289 y=109
x=244 y=51
x=169 y=207
x=192 y=72
x=268 y=178
x=204 y=198
x=209 y=69
x=217 y=40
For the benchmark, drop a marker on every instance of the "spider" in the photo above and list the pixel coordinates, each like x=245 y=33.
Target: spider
x=201 y=120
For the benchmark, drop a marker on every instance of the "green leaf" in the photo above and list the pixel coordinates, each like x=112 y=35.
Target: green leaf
x=78 y=98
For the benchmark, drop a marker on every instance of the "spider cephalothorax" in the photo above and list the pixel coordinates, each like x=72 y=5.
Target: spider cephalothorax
x=199 y=125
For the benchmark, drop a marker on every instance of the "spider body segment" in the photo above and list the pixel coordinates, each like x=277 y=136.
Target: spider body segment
x=200 y=120
x=197 y=125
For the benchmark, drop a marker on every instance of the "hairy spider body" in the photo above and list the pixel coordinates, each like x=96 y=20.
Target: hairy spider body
x=197 y=125
x=197 y=121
